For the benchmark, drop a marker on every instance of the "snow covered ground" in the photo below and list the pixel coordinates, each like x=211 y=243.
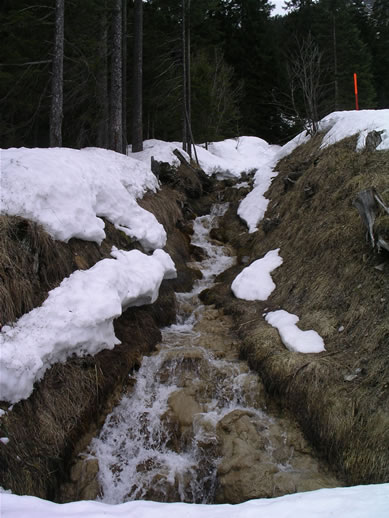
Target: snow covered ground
x=69 y=323
x=69 y=191
x=349 y=502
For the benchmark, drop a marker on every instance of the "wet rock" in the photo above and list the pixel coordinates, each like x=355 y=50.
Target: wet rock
x=263 y=458
x=184 y=407
x=373 y=140
x=83 y=483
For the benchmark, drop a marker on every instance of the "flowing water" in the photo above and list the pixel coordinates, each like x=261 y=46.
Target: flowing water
x=193 y=427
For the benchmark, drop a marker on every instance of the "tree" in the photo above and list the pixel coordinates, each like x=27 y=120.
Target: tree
x=380 y=23
x=216 y=96
x=102 y=139
x=305 y=80
x=137 y=102
x=124 y=77
x=116 y=99
x=347 y=55
x=185 y=46
x=56 y=113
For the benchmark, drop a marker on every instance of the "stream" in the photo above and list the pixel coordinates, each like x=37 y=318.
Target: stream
x=193 y=426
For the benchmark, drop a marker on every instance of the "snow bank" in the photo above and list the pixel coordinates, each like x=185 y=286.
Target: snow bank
x=77 y=317
x=232 y=157
x=69 y=190
x=339 y=125
x=160 y=150
x=292 y=337
x=348 y=502
x=255 y=282
x=226 y=159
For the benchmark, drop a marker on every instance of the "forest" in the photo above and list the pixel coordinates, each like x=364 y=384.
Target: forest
x=200 y=70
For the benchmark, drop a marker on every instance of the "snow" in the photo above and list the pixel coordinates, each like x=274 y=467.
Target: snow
x=292 y=337
x=68 y=191
x=254 y=282
x=232 y=157
x=77 y=317
x=339 y=125
x=226 y=159
x=348 y=502
x=160 y=150
x=253 y=207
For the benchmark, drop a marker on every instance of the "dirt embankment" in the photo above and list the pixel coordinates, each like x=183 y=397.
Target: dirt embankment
x=74 y=397
x=339 y=287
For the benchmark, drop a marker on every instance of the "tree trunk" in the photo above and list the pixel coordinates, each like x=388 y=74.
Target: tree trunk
x=116 y=130
x=184 y=81
x=56 y=113
x=188 y=86
x=102 y=83
x=137 y=115
x=335 y=50
x=124 y=78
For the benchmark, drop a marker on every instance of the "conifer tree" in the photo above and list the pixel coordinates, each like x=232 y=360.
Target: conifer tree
x=380 y=50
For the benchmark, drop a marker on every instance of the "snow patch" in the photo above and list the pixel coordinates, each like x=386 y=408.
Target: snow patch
x=255 y=282
x=253 y=207
x=339 y=125
x=226 y=159
x=292 y=337
x=77 y=317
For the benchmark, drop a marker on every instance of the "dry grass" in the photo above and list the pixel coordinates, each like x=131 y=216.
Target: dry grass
x=31 y=263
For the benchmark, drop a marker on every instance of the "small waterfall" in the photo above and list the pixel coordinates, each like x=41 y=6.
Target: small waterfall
x=165 y=441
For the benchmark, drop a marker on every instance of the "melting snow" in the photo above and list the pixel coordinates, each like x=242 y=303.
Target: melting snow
x=68 y=191
x=255 y=282
x=292 y=337
x=77 y=317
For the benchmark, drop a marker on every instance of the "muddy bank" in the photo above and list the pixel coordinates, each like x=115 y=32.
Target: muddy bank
x=74 y=397
x=339 y=287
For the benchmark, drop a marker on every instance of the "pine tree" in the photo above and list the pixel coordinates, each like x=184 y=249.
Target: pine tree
x=347 y=55
x=380 y=46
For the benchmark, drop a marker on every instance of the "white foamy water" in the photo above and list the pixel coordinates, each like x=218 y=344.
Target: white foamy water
x=137 y=457
x=166 y=439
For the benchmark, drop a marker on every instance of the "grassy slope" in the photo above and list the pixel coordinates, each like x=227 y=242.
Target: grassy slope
x=329 y=280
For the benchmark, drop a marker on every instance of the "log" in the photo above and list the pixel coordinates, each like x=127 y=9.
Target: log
x=369 y=204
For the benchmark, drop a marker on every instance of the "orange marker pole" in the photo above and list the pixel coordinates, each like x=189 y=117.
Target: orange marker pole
x=356 y=92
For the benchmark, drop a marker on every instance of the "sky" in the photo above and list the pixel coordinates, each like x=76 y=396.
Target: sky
x=279 y=4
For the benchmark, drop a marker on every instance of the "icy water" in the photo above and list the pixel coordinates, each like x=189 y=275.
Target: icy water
x=193 y=428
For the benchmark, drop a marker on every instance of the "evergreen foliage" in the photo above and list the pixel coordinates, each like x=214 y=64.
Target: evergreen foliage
x=240 y=61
